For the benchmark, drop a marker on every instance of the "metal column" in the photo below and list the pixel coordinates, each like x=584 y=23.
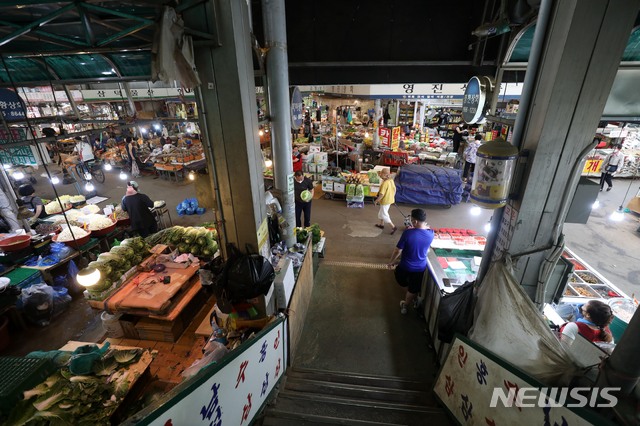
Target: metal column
x=228 y=113
x=275 y=34
x=377 y=115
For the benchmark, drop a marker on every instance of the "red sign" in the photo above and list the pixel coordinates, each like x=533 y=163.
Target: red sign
x=385 y=136
x=395 y=138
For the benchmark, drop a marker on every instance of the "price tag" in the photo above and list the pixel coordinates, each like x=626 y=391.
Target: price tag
x=108 y=210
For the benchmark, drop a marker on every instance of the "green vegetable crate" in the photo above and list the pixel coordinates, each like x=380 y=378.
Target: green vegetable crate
x=18 y=375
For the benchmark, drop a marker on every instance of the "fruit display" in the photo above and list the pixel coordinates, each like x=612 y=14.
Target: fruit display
x=355 y=179
x=198 y=241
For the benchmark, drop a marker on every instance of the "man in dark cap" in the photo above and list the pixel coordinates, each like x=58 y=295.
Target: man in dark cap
x=411 y=251
x=137 y=205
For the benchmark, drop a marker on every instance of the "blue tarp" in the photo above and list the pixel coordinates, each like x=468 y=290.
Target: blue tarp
x=428 y=184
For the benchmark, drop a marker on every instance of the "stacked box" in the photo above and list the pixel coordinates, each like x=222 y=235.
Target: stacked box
x=327 y=185
x=321 y=157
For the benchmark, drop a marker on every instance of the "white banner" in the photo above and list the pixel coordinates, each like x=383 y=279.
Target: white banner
x=137 y=94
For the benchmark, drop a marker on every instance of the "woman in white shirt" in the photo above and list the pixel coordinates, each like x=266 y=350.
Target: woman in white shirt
x=610 y=165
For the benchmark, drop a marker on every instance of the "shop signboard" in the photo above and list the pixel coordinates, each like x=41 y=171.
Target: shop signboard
x=237 y=389
x=505 y=233
x=11 y=105
x=592 y=165
x=478 y=387
x=24 y=155
x=385 y=137
x=475 y=98
x=137 y=94
x=395 y=138
x=296 y=108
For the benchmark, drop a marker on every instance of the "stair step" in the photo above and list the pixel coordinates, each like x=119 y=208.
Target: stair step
x=389 y=382
x=282 y=418
x=360 y=392
x=345 y=408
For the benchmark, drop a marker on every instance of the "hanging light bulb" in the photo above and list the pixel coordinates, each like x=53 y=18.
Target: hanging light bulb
x=261 y=132
x=487 y=227
x=366 y=134
x=192 y=176
x=89 y=187
x=18 y=175
x=268 y=163
x=87 y=176
x=475 y=211
x=339 y=134
x=595 y=204
x=143 y=130
x=107 y=167
x=156 y=126
x=618 y=215
x=7 y=166
x=123 y=175
x=55 y=180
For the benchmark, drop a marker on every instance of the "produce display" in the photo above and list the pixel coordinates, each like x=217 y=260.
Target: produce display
x=46 y=229
x=97 y=222
x=92 y=209
x=65 y=235
x=53 y=207
x=77 y=199
x=120 y=214
x=65 y=398
x=198 y=241
x=113 y=264
x=303 y=233
x=588 y=277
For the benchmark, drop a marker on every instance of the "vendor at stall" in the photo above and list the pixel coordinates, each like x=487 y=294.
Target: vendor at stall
x=8 y=214
x=593 y=326
x=84 y=150
x=34 y=204
x=137 y=205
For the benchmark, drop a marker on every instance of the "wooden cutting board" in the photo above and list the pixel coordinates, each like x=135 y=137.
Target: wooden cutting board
x=146 y=291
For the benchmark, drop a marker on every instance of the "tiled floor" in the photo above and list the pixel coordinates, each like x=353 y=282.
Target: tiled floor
x=171 y=359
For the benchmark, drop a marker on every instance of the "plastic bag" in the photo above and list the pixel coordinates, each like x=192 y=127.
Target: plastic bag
x=60 y=250
x=216 y=352
x=36 y=302
x=455 y=313
x=72 y=273
x=249 y=276
x=61 y=301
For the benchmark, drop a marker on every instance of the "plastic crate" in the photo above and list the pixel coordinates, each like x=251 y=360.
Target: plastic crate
x=18 y=375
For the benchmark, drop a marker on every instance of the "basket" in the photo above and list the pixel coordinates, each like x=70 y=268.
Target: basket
x=18 y=375
x=77 y=242
x=104 y=231
x=16 y=243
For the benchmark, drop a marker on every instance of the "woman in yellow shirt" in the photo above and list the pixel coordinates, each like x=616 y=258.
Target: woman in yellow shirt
x=386 y=197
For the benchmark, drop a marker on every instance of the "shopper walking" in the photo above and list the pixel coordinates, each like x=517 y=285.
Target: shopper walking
x=137 y=205
x=386 y=197
x=410 y=256
x=132 y=154
x=470 y=153
x=300 y=184
x=459 y=134
x=610 y=165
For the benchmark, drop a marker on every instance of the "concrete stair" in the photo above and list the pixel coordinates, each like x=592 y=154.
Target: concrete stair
x=313 y=397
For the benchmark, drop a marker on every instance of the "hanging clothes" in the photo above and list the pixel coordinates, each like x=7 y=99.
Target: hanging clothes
x=349 y=117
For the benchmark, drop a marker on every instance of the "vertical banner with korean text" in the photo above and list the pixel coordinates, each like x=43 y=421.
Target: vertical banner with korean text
x=395 y=138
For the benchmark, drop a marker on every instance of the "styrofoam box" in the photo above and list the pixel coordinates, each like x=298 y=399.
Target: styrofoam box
x=311 y=167
x=313 y=148
x=320 y=157
x=327 y=185
x=308 y=158
x=378 y=169
x=338 y=187
x=284 y=283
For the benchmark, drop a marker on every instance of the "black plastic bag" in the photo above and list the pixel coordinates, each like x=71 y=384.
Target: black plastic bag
x=455 y=313
x=249 y=276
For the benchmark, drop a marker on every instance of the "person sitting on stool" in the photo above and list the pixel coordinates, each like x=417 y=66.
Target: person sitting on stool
x=137 y=205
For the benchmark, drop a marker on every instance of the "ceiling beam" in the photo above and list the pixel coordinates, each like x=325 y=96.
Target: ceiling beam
x=35 y=24
x=95 y=8
x=124 y=33
x=84 y=51
x=119 y=28
x=42 y=38
x=45 y=35
x=86 y=25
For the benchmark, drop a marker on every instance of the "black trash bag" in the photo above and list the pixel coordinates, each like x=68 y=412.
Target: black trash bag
x=249 y=276
x=455 y=313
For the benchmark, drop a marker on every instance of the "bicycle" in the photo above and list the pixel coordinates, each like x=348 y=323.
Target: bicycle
x=92 y=168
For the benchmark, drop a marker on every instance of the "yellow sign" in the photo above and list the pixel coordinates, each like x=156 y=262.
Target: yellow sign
x=592 y=166
x=263 y=234
x=395 y=138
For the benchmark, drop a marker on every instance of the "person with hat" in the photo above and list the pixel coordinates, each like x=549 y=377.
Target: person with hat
x=410 y=257
x=137 y=205
x=34 y=204
x=386 y=197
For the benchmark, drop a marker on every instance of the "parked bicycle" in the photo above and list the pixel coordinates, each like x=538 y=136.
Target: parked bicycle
x=90 y=170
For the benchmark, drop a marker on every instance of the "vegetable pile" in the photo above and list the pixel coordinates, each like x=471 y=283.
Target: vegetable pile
x=303 y=233
x=97 y=222
x=67 y=399
x=195 y=240
x=66 y=236
x=53 y=207
x=77 y=199
x=121 y=214
x=46 y=229
x=113 y=264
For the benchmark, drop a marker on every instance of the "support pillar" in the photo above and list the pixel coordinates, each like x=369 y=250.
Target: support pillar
x=227 y=115
x=377 y=115
x=582 y=44
x=275 y=35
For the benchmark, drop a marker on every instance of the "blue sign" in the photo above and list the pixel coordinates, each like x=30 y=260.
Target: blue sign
x=473 y=102
x=12 y=106
x=296 y=108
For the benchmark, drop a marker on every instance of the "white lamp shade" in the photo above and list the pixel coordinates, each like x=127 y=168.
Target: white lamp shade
x=88 y=277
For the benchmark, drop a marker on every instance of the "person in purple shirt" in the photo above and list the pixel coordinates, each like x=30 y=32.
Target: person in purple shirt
x=411 y=250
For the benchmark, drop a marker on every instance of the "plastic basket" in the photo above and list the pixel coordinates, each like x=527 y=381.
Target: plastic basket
x=18 y=375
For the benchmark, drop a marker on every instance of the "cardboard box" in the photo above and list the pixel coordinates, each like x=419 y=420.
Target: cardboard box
x=313 y=148
x=311 y=167
x=327 y=185
x=321 y=167
x=308 y=158
x=321 y=157
x=284 y=283
x=338 y=187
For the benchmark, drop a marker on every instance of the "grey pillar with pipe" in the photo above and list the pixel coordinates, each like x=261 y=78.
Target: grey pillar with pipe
x=377 y=115
x=275 y=35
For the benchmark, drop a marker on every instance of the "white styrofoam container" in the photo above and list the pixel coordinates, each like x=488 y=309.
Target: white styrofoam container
x=327 y=185
x=308 y=158
x=321 y=157
x=314 y=148
x=338 y=187
x=321 y=167
x=284 y=283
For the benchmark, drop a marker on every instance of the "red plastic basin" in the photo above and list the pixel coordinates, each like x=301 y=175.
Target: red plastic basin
x=16 y=243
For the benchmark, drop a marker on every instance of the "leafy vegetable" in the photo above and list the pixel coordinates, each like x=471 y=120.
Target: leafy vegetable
x=126 y=356
x=104 y=367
